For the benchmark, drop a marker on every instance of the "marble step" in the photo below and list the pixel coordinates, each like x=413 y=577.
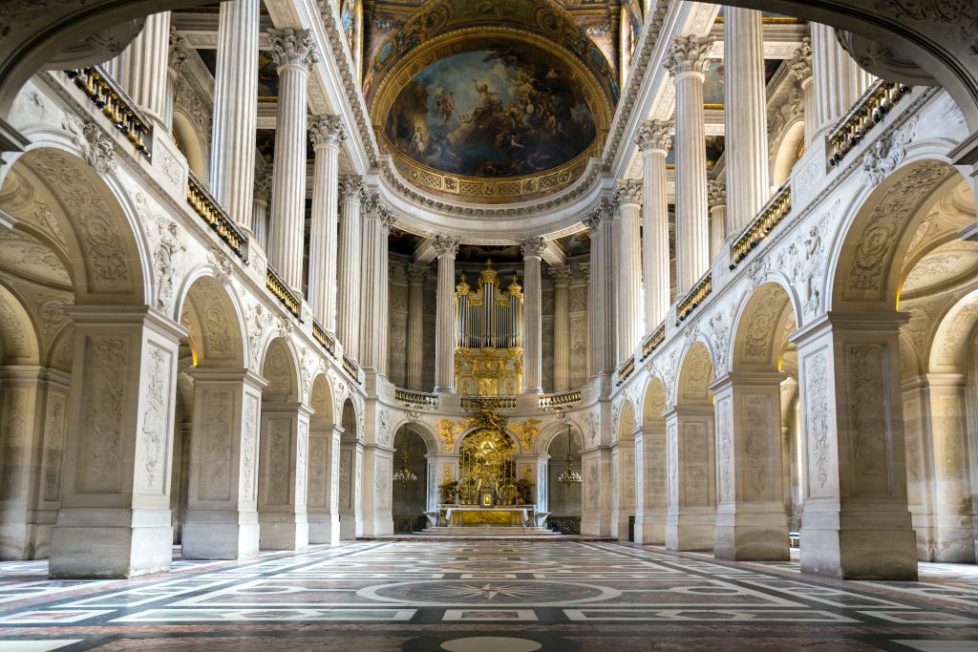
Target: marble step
x=484 y=531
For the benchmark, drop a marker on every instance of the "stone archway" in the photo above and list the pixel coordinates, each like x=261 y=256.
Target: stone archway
x=564 y=499
x=409 y=491
x=350 y=473
x=623 y=473
x=650 y=467
x=324 y=454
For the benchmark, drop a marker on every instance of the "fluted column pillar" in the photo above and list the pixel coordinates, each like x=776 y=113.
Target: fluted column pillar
x=259 y=208
x=415 y=325
x=294 y=52
x=447 y=247
x=653 y=140
x=716 y=194
x=348 y=277
x=373 y=306
x=232 y=165
x=631 y=324
x=601 y=291
x=326 y=134
x=800 y=65
x=142 y=67
x=837 y=80
x=685 y=62
x=532 y=249
x=745 y=117
x=562 y=346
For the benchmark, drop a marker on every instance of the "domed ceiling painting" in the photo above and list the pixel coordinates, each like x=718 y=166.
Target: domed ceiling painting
x=492 y=113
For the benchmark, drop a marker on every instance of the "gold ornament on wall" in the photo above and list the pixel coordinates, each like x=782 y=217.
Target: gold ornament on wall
x=526 y=433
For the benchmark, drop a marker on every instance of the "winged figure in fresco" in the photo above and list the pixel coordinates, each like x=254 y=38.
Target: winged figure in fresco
x=445 y=101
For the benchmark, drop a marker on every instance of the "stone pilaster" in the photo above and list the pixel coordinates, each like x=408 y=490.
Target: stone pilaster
x=596 y=492
x=294 y=53
x=532 y=250
x=327 y=135
x=324 y=481
x=716 y=193
x=114 y=519
x=232 y=165
x=378 y=467
x=686 y=61
x=447 y=247
x=259 y=208
x=631 y=320
x=350 y=489
x=142 y=68
x=623 y=486
x=837 y=81
x=415 y=325
x=654 y=140
x=562 y=346
x=222 y=507
x=374 y=284
x=745 y=117
x=348 y=259
x=691 y=485
x=650 y=483
x=282 y=489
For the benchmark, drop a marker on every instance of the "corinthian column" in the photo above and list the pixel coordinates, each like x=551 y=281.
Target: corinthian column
x=447 y=247
x=532 y=249
x=601 y=291
x=326 y=134
x=800 y=65
x=562 y=347
x=373 y=307
x=348 y=282
x=630 y=317
x=837 y=81
x=232 y=170
x=654 y=139
x=745 y=117
x=142 y=67
x=686 y=61
x=294 y=52
x=415 y=325
x=716 y=193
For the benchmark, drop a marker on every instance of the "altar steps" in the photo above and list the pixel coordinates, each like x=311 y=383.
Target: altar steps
x=488 y=532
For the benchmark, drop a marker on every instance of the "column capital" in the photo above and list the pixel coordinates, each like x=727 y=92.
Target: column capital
x=263 y=185
x=628 y=191
x=605 y=210
x=655 y=135
x=351 y=188
x=533 y=247
x=293 y=47
x=385 y=216
x=584 y=269
x=800 y=63
x=179 y=51
x=561 y=274
x=417 y=272
x=326 y=130
x=716 y=192
x=688 y=54
x=446 y=245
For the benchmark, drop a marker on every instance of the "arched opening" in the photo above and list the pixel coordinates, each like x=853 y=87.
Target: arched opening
x=324 y=451
x=650 y=467
x=623 y=475
x=787 y=152
x=487 y=471
x=189 y=143
x=565 y=481
x=350 y=473
x=409 y=486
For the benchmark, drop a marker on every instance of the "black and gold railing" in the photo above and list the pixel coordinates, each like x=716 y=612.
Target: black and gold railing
x=866 y=114
x=653 y=341
x=282 y=292
x=418 y=399
x=471 y=402
x=559 y=400
x=625 y=370
x=694 y=297
x=115 y=105
x=770 y=216
x=351 y=367
x=327 y=341
x=211 y=212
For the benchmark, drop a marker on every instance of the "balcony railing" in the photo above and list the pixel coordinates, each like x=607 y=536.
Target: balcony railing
x=559 y=400
x=476 y=402
x=351 y=367
x=626 y=370
x=418 y=399
x=694 y=297
x=653 y=341
x=770 y=216
x=211 y=212
x=115 y=105
x=866 y=114
x=327 y=341
x=282 y=292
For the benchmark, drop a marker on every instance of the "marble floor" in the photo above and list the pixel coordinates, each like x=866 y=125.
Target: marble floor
x=483 y=596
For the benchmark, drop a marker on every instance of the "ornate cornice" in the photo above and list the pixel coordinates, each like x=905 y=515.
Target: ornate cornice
x=293 y=47
x=326 y=130
x=655 y=135
x=688 y=54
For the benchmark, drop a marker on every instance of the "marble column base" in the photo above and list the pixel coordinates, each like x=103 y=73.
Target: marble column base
x=754 y=532
x=651 y=529
x=691 y=528
x=324 y=528
x=20 y=541
x=953 y=541
x=348 y=527
x=123 y=543
x=283 y=531
x=228 y=539
x=862 y=544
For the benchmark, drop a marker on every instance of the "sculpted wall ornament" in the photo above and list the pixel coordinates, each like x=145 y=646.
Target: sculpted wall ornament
x=817 y=414
x=155 y=417
x=106 y=358
x=98 y=149
x=13 y=433
x=249 y=442
x=165 y=260
x=526 y=432
x=884 y=155
x=593 y=426
x=865 y=410
x=724 y=451
x=384 y=427
x=959 y=14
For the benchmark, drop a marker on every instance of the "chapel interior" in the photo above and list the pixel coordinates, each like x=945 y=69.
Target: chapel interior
x=410 y=324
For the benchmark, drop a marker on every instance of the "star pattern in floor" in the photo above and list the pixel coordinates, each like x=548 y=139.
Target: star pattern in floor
x=481 y=596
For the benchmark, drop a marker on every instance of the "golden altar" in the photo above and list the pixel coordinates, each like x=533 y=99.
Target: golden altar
x=475 y=516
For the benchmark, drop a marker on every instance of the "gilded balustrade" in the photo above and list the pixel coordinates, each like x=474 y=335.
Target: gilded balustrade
x=694 y=297
x=211 y=212
x=115 y=105
x=351 y=367
x=653 y=341
x=866 y=114
x=468 y=402
x=281 y=291
x=327 y=341
x=626 y=370
x=770 y=216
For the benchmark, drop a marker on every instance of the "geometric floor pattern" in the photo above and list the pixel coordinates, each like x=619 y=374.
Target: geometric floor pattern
x=482 y=596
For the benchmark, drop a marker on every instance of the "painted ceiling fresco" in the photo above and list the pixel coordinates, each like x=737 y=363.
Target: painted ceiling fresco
x=506 y=111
